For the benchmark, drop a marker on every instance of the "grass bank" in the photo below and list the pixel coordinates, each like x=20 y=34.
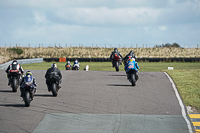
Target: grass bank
x=185 y=75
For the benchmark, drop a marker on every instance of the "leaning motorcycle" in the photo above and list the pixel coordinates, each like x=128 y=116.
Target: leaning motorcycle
x=54 y=85
x=14 y=79
x=75 y=67
x=117 y=61
x=132 y=76
x=27 y=90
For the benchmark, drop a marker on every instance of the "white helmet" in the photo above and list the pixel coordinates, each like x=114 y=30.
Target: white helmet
x=132 y=59
x=68 y=62
x=54 y=65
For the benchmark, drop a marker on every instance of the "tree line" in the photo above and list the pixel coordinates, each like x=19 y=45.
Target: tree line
x=168 y=45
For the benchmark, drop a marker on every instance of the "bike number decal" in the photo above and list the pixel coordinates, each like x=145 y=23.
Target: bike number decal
x=131 y=66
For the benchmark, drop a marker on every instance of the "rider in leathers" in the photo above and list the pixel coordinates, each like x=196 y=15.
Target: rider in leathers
x=33 y=81
x=132 y=64
x=113 y=54
x=57 y=74
x=129 y=56
x=14 y=66
x=68 y=63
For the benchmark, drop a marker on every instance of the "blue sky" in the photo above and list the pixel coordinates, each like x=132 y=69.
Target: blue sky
x=100 y=22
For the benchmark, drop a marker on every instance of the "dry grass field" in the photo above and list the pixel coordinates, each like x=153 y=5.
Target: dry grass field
x=7 y=53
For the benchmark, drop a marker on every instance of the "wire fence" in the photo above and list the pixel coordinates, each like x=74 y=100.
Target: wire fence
x=93 y=45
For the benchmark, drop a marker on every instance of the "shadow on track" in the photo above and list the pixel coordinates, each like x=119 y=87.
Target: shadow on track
x=13 y=105
x=43 y=95
x=117 y=85
x=7 y=91
x=117 y=75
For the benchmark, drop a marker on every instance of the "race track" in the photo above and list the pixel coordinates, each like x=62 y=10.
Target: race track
x=94 y=102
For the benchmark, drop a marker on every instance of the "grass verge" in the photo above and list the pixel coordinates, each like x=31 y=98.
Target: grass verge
x=187 y=83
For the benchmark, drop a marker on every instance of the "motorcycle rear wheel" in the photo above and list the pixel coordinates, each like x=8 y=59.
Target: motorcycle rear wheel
x=133 y=81
x=27 y=99
x=54 y=90
x=117 y=66
x=14 y=84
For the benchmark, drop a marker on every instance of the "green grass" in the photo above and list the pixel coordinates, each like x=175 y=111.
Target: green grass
x=185 y=75
x=107 y=66
x=187 y=82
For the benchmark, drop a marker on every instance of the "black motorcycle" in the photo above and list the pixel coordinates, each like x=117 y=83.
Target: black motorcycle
x=132 y=76
x=27 y=90
x=53 y=85
x=15 y=78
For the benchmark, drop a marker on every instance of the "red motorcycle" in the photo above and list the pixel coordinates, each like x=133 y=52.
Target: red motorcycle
x=15 y=78
x=117 y=61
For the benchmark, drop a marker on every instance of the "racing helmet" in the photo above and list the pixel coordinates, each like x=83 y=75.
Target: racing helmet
x=115 y=50
x=54 y=65
x=76 y=61
x=68 y=61
x=28 y=73
x=132 y=59
x=14 y=62
x=131 y=51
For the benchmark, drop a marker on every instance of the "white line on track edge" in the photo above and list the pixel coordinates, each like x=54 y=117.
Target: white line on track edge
x=181 y=104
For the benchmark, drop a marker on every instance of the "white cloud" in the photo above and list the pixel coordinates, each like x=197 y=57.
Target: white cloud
x=40 y=18
x=106 y=16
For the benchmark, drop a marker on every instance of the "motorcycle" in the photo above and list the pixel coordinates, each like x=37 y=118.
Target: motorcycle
x=75 y=67
x=54 y=85
x=117 y=61
x=68 y=67
x=14 y=79
x=27 y=90
x=132 y=76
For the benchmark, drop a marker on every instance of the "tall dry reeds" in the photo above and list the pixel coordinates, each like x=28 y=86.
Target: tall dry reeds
x=97 y=52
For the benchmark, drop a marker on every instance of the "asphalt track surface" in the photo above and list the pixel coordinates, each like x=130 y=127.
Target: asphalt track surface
x=94 y=102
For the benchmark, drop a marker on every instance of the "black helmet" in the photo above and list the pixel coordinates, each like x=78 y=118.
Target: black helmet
x=132 y=52
x=115 y=49
x=14 y=61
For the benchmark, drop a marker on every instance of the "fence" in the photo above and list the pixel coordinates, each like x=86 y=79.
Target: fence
x=138 y=59
x=22 y=61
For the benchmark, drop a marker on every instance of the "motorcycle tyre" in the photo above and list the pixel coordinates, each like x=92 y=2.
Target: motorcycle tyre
x=27 y=99
x=54 y=90
x=14 y=84
x=76 y=68
x=133 y=81
x=117 y=66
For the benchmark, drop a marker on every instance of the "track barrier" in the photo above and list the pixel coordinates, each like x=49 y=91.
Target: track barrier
x=108 y=59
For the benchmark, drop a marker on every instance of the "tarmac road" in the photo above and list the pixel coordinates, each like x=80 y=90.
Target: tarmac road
x=94 y=102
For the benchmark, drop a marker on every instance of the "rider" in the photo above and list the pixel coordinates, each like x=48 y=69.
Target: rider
x=76 y=62
x=57 y=73
x=28 y=78
x=14 y=66
x=113 y=55
x=68 y=63
x=132 y=64
x=129 y=56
